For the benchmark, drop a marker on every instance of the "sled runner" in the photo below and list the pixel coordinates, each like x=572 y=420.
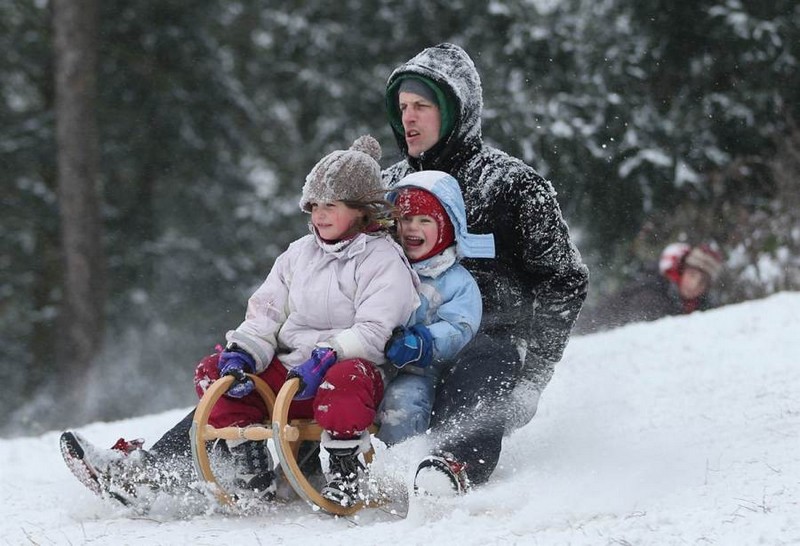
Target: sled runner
x=286 y=435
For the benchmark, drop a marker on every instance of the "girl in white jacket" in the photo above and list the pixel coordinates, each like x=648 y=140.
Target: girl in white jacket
x=323 y=314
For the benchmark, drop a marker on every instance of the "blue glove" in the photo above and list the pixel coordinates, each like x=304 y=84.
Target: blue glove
x=312 y=371
x=410 y=346
x=237 y=363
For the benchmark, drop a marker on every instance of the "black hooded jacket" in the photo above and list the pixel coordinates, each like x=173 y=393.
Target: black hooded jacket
x=535 y=287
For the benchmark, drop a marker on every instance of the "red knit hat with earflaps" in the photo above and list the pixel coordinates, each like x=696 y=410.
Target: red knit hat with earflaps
x=416 y=201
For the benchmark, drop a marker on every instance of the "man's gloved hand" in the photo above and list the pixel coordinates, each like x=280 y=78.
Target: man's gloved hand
x=410 y=346
x=237 y=363
x=312 y=371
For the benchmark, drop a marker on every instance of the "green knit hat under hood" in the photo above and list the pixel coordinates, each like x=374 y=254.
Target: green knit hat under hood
x=445 y=104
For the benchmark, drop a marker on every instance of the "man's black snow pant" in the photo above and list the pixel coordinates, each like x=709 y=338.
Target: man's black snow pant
x=471 y=411
x=176 y=441
x=174 y=449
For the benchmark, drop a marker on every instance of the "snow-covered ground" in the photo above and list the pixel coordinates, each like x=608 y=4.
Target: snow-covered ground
x=681 y=431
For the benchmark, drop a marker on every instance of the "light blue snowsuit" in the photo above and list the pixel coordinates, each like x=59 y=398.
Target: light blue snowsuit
x=450 y=307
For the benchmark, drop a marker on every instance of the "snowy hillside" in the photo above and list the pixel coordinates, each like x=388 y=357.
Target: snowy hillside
x=682 y=431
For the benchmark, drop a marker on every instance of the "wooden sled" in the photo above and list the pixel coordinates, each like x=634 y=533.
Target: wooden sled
x=285 y=434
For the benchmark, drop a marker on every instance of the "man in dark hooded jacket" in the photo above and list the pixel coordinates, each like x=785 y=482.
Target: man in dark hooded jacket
x=532 y=291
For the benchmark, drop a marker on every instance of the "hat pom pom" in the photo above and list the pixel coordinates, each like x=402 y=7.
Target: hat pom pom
x=367 y=145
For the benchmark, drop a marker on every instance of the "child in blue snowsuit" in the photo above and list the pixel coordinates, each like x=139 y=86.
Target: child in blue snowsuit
x=432 y=230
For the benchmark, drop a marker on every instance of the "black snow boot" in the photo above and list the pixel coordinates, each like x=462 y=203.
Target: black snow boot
x=441 y=475
x=342 y=487
x=118 y=473
x=254 y=466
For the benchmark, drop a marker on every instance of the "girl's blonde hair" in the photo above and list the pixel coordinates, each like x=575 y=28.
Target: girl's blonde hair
x=377 y=211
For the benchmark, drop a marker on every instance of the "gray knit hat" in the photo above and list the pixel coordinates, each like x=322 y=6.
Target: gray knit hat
x=346 y=175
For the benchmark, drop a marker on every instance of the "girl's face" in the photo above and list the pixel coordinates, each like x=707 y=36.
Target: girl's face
x=334 y=221
x=418 y=235
x=693 y=283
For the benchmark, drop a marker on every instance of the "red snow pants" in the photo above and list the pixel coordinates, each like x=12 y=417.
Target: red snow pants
x=344 y=406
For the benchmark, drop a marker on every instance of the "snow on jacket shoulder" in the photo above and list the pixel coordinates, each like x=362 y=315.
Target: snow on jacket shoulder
x=536 y=287
x=351 y=299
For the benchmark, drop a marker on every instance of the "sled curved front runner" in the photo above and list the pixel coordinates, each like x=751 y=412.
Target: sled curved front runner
x=286 y=435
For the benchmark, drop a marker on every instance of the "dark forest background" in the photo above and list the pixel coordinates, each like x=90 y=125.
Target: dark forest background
x=153 y=152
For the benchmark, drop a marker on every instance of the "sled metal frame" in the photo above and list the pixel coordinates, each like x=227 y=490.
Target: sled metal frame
x=286 y=435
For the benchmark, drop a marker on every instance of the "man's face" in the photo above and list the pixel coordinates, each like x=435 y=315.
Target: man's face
x=693 y=283
x=422 y=122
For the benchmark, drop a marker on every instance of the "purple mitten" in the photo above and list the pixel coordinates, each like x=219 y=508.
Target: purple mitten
x=237 y=363
x=312 y=371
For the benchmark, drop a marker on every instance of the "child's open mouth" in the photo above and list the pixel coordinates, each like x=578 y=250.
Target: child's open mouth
x=413 y=241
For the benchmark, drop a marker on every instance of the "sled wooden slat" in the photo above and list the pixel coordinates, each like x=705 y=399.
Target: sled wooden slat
x=239 y=433
x=308 y=430
x=285 y=434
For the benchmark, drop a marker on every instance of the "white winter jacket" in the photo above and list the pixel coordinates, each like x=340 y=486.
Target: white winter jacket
x=346 y=297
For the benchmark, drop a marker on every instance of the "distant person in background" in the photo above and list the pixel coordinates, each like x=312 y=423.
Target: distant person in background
x=681 y=284
x=692 y=272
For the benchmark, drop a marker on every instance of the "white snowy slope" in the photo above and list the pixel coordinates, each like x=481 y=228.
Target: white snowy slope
x=681 y=431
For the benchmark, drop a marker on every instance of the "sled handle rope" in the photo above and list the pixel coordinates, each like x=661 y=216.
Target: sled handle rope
x=285 y=434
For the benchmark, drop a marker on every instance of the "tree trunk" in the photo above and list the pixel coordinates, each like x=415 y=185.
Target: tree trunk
x=82 y=318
